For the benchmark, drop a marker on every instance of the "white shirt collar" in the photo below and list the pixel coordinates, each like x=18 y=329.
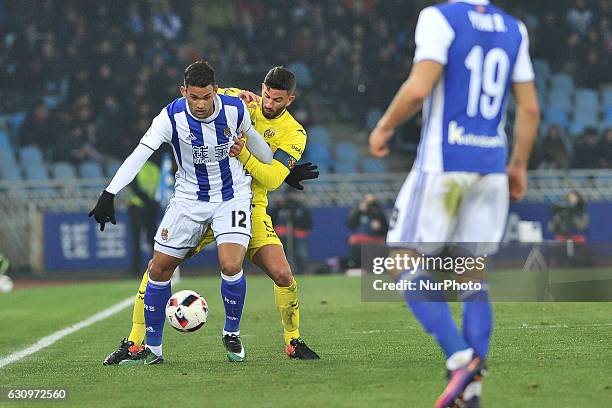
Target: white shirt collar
x=479 y=2
x=211 y=117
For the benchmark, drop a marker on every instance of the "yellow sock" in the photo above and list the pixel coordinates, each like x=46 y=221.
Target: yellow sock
x=287 y=304
x=137 y=335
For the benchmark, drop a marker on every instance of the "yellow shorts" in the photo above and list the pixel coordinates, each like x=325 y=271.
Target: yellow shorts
x=261 y=228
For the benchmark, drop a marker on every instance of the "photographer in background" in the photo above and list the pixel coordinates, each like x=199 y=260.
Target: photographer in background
x=368 y=224
x=569 y=223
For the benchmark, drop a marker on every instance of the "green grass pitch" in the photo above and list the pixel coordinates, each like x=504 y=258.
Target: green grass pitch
x=373 y=354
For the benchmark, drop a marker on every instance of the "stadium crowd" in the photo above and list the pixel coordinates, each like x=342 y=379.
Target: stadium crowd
x=94 y=74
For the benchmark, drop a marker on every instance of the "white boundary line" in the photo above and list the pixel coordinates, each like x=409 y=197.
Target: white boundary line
x=52 y=338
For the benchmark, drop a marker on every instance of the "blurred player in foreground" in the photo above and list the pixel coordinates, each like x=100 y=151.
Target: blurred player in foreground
x=212 y=190
x=287 y=139
x=469 y=55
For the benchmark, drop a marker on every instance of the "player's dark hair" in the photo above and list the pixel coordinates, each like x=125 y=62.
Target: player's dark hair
x=199 y=74
x=280 y=78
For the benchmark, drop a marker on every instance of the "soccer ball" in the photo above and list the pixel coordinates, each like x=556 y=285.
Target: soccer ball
x=6 y=284
x=186 y=311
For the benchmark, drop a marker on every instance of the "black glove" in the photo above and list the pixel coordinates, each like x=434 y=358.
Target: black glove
x=104 y=211
x=301 y=172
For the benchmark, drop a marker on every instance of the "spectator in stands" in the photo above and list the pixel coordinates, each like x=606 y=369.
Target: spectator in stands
x=606 y=149
x=579 y=17
x=36 y=126
x=554 y=150
x=368 y=225
x=166 y=22
x=293 y=223
x=587 y=153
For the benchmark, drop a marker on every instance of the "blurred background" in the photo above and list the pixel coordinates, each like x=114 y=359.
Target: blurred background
x=81 y=81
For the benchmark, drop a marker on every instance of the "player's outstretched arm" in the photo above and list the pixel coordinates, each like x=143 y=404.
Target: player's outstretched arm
x=525 y=130
x=405 y=104
x=104 y=211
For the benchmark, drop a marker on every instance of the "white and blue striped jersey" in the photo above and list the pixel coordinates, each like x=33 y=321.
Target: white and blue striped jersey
x=483 y=50
x=205 y=172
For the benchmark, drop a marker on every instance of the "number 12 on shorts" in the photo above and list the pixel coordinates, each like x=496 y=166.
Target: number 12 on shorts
x=239 y=219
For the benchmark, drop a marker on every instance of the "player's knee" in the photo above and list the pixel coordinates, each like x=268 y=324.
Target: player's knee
x=159 y=272
x=231 y=268
x=282 y=276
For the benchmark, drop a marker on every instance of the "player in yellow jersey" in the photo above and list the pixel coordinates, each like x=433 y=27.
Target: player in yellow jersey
x=287 y=139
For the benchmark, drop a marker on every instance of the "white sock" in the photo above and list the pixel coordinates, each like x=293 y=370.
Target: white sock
x=233 y=278
x=236 y=333
x=459 y=359
x=157 y=350
x=473 y=389
x=164 y=283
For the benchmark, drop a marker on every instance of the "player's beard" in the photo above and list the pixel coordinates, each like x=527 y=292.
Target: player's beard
x=269 y=114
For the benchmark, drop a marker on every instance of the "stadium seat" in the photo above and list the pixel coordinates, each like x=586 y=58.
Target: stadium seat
x=561 y=99
x=372 y=118
x=29 y=155
x=556 y=115
x=15 y=121
x=346 y=152
x=345 y=168
x=63 y=171
x=10 y=173
x=577 y=127
x=317 y=153
x=302 y=73
x=112 y=167
x=606 y=95
x=318 y=134
x=90 y=170
x=542 y=69
x=373 y=166
x=586 y=100
x=5 y=142
x=9 y=170
x=36 y=171
x=562 y=82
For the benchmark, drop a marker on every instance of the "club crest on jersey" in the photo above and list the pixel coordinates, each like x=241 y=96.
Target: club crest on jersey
x=291 y=163
x=164 y=234
x=227 y=132
x=269 y=133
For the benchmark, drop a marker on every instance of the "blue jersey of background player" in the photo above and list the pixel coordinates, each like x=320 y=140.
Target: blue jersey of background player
x=469 y=56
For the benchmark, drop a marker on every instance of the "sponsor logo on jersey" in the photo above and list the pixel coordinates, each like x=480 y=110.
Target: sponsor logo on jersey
x=269 y=133
x=190 y=137
x=457 y=136
x=164 y=234
x=297 y=149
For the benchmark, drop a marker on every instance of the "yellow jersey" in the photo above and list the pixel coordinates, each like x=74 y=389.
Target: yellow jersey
x=287 y=140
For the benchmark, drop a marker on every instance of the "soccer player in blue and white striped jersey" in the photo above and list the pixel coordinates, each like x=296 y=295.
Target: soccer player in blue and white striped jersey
x=212 y=189
x=469 y=56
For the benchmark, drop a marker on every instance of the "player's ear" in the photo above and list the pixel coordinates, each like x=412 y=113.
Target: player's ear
x=263 y=88
x=290 y=100
x=183 y=90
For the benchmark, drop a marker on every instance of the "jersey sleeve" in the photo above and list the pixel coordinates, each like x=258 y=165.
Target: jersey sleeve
x=246 y=125
x=288 y=153
x=159 y=132
x=433 y=36
x=291 y=148
x=523 y=70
